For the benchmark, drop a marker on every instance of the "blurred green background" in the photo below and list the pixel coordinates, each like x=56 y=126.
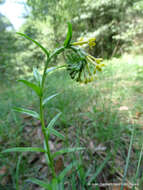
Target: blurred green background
x=117 y=26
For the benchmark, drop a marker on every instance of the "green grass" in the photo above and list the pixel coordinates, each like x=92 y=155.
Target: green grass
x=100 y=114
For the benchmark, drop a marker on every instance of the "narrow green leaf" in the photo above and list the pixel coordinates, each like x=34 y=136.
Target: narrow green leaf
x=37 y=76
x=100 y=168
x=49 y=98
x=67 y=150
x=17 y=172
x=54 y=68
x=38 y=44
x=69 y=35
x=24 y=149
x=46 y=155
x=56 y=133
x=50 y=69
x=138 y=168
x=67 y=169
x=128 y=158
x=36 y=88
x=40 y=183
x=28 y=112
x=52 y=122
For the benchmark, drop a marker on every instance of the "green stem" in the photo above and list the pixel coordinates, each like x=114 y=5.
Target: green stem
x=46 y=137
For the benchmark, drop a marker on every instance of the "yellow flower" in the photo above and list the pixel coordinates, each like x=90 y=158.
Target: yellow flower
x=95 y=62
x=90 y=42
x=93 y=59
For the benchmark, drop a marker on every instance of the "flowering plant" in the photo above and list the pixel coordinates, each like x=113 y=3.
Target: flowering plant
x=82 y=67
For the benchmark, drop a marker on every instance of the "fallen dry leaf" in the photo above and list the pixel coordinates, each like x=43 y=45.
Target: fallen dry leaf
x=138 y=115
x=59 y=165
x=3 y=170
x=5 y=180
x=119 y=187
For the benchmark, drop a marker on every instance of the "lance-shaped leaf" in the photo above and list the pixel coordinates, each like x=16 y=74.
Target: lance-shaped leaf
x=49 y=98
x=69 y=35
x=52 y=122
x=23 y=149
x=54 y=68
x=67 y=150
x=55 y=132
x=40 y=183
x=36 y=88
x=38 y=44
x=37 y=76
x=28 y=112
x=50 y=69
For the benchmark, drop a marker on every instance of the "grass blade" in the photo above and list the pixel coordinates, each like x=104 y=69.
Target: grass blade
x=23 y=149
x=67 y=150
x=28 y=112
x=138 y=167
x=128 y=158
x=40 y=183
x=17 y=172
x=100 y=168
x=38 y=44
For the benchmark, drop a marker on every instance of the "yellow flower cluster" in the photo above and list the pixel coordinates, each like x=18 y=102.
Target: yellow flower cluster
x=87 y=66
x=96 y=62
x=93 y=65
x=90 y=42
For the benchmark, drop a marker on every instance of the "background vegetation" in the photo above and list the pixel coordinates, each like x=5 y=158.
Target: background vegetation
x=99 y=116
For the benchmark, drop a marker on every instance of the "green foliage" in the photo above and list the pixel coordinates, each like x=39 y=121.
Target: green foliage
x=117 y=25
x=35 y=42
x=40 y=183
x=90 y=113
x=7 y=49
x=49 y=98
x=28 y=112
x=113 y=23
x=39 y=89
x=69 y=35
x=34 y=87
x=23 y=149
